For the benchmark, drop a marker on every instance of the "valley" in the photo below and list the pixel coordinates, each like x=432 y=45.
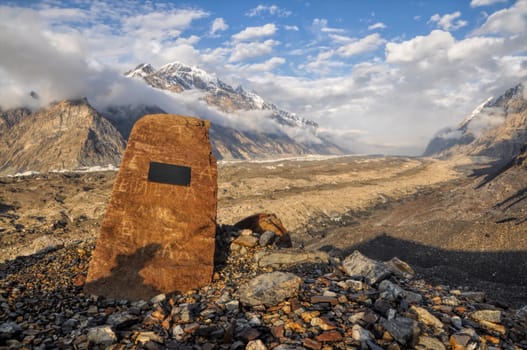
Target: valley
x=426 y=211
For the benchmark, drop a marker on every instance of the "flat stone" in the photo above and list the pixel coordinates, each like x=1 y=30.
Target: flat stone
x=158 y=234
x=487 y=315
x=496 y=327
x=103 y=335
x=429 y=343
x=360 y=334
x=246 y=241
x=424 y=316
x=357 y=264
x=400 y=268
x=291 y=257
x=121 y=320
x=145 y=337
x=256 y=345
x=269 y=289
x=329 y=336
x=459 y=341
x=477 y=297
x=312 y=344
x=322 y=323
x=324 y=299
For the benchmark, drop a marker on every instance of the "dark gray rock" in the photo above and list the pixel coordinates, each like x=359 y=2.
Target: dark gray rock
x=267 y=238
x=103 y=335
x=9 y=330
x=404 y=330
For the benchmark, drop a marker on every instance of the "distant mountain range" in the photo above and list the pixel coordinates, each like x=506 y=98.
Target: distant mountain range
x=497 y=129
x=65 y=135
x=70 y=134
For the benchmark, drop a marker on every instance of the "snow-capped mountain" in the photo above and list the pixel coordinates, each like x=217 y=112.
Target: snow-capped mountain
x=497 y=128
x=178 y=77
x=293 y=135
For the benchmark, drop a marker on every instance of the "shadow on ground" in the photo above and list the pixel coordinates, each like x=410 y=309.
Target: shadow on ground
x=502 y=275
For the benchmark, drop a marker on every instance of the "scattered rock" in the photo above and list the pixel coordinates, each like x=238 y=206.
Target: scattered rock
x=357 y=264
x=487 y=315
x=289 y=257
x=426 y=317
x=270 y=288
x=246 y=241
x=400 y=268
x=429 y=343
x=404 y=330
x=9 y=330
x=103 y=335
x=267 y=238
x=256 y=345
x=262 y=222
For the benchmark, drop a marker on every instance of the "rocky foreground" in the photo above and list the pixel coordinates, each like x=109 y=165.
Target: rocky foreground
x=261 y=297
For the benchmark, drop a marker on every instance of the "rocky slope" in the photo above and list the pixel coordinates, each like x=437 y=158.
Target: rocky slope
x=262 y=297
x=66 y=135
x=496 y=129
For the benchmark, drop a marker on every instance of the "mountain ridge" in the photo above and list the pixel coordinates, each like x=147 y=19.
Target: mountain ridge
x=69 y=134
x=496 y=129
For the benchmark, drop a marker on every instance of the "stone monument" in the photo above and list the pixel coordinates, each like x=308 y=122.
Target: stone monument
x=158 y=234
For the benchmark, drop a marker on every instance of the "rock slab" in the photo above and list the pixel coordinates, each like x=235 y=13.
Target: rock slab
x=270 y=288
x=158 y=234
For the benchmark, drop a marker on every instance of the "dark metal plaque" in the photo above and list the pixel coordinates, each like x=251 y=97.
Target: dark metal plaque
x=169 y=174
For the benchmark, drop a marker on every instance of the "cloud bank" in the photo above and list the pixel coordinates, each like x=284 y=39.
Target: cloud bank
x=375 y=93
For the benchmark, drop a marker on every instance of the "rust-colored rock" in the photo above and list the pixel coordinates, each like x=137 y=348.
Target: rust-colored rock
x=262 y=222
x=159 y=231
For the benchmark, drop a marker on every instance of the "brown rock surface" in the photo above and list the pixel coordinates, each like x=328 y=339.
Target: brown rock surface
x=262 y=222
x=158 y=237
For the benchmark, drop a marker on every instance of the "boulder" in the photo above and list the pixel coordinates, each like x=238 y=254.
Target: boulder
x=158 y=234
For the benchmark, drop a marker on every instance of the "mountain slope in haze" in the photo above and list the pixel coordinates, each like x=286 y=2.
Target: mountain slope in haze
x=66 y=135
x=231 y=142
x=495 y=129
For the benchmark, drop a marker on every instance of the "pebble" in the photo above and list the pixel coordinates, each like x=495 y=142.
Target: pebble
x=319 y=305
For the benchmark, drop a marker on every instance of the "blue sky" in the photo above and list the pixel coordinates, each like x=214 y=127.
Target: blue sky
x=381 y=76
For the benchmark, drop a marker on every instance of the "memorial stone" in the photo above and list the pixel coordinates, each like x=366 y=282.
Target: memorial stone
x=158 y=234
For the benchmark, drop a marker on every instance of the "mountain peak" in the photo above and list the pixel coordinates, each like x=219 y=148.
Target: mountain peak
x=142 y=70
x=495 y=129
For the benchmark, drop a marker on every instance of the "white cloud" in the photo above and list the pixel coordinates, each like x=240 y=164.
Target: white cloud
x=366 y=44
x=218 y=25
x=419 y=48
x=512 y=20
x=271 y=9
x=243 y=51
x=155 y=25
x=265 y=66
x=250 y=33
x=390 y=104
x=449 y=21
x=378 y=25
x=476 y=3
x=321 y=25
x=293 y=28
